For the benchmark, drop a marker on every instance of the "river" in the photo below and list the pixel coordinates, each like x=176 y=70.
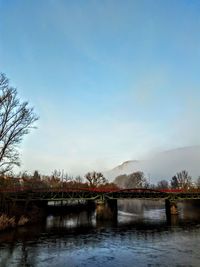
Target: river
x=140 y=237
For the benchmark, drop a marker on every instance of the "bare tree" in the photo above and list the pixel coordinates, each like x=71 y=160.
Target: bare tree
x=198 y=182
x=95 y=178
x=78 y=179
x=136 y=180
x=62 y=176
x=133 y=180
x=163 y=184
x=181 y=180
x=16 y=120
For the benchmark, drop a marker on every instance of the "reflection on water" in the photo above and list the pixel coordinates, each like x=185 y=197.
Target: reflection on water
x=140 y=237
x=82 y=219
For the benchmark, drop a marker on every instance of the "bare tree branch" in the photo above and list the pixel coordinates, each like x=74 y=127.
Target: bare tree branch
x=95 y=179
x=16 y=120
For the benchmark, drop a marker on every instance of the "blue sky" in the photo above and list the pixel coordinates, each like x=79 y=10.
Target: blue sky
x=110 y=80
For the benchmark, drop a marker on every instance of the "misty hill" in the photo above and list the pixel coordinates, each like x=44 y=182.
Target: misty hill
x=163 y=165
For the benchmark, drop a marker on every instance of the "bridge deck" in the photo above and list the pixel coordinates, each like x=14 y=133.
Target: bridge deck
x=24 y=194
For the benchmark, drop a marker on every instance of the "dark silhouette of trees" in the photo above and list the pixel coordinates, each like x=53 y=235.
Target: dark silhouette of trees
x=9 y=181
x=78 y=179
x=174 y=182
x=163 y=184
x=16 y=120
x=181 y=180
x=36 y=176
x=95 y=179
x=198 y=182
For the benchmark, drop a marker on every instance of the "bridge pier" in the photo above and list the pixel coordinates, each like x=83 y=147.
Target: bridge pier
x=171 y=210
x=106 y=209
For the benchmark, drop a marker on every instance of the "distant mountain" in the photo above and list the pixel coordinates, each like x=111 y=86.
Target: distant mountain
x=163 y=165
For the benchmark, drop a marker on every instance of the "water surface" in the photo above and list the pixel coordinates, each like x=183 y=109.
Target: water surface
x=140 y=237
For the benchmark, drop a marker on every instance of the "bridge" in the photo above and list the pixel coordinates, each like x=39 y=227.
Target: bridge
x=105 y=198
x=58 y=194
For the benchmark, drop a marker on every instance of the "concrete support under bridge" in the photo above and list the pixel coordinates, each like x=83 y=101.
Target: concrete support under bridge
x=106 y=209
x=171 y=211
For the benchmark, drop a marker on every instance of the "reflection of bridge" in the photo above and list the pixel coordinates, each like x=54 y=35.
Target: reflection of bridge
x=106 y=198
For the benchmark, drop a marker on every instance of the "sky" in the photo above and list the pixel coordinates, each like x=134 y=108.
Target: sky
x=110 y=80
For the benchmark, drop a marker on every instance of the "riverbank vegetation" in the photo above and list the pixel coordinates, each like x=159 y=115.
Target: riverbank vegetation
x=61 y=180
x=7 y=222
x=56 y=180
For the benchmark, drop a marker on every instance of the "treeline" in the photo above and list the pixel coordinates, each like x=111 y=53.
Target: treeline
x=182 y=180
x=58 y=179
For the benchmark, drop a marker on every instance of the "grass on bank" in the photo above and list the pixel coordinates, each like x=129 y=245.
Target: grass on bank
x=10 y=222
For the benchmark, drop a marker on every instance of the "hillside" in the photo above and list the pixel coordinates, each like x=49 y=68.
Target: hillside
x=163 y=165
